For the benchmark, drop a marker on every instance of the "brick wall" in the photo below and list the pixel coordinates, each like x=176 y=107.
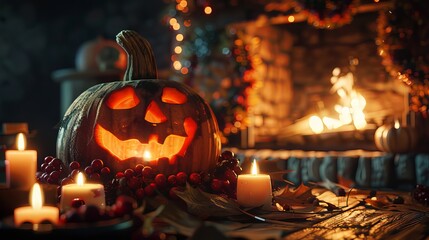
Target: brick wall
x=296 y=66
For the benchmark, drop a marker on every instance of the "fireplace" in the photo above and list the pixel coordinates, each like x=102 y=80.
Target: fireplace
x=294 y=74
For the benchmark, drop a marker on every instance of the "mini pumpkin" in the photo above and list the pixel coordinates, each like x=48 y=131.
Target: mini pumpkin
x=395 y=138
x=141 y=119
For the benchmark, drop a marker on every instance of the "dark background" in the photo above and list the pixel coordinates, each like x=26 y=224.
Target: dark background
x=40 y=37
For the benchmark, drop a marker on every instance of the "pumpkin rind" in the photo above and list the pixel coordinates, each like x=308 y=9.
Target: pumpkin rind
x=387 y=138
x=77 y=140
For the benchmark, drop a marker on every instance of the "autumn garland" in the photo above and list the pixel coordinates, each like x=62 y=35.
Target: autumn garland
x=404 y=47
x=328 y=14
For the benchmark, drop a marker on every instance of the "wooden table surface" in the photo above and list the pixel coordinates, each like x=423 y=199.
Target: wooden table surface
x=356 y=219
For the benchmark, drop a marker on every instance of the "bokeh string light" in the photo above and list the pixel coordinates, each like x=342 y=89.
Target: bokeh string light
x=403 y=34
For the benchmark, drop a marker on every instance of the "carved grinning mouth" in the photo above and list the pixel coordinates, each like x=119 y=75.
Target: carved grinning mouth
x=133 y=148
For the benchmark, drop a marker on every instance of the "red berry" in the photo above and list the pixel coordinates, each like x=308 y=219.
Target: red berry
x=172 y=180
x=149 y=190
x=74 y=165
x=140 y=193
x=231 y=176
x=147 y=172
x=39 y=175
x=138 y=169
x=66 y=181
x=124 y=205
x=89 y=170
x=97 y=164
x=74 y=173
x=48 y=159
x=55 y=175
x=105 y=171
x=216 y=185
x=238 y=170
x=160 y=180
x=205 y=177
x=95 y=177
x=226 y=185
x=129 y=173
x=49 y=169
x=52 y=181
x=181 y=178
x=56 y=163
x=43 y=166
x=227 y=155
x=133 y=182
x=233 y=162
x=77 y=202
x=119 y=175
x=195 y=178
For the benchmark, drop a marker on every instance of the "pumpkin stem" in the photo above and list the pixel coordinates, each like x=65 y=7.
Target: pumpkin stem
x=141 y=61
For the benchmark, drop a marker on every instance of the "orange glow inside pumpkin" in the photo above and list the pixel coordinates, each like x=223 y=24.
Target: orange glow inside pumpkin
x=133 y=148
x=154 y=114
x=124 y=98
x=173 y=96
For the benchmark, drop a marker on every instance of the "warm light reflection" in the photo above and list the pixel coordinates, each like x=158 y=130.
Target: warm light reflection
x=291 y=19
x=177 y=65
x=21 y=141
x=178 y=49
x=131 y=148
x=179 y=37
x=397 y=124
x=147 y=156
x=173 y=21
x=255 y=169
x=36 y=197
x=176 y=26
x=80 y=179
x=350 y=110
x=316 y=124
x=208 y=10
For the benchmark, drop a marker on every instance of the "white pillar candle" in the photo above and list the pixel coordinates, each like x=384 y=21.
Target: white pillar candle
x=254 y=190
x=90 y=193
x=22 y=165
x=36 y=213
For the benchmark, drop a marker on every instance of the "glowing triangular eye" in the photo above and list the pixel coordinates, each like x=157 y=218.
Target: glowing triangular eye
x=173 y=96
x=124 y=98
x=154 y=114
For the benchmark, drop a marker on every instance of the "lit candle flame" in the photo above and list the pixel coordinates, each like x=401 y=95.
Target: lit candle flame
x=397 y=124
x=20 y=141
x=147 y=156
x=255 y=168
x=80 y=179
x=36 y=198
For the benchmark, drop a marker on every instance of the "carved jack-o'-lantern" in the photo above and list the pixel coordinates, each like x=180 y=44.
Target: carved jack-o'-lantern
x=155 y=122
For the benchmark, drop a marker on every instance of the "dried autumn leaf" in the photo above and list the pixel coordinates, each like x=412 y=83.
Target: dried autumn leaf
x=297 y=197
x=376 y=203
x=206 y=205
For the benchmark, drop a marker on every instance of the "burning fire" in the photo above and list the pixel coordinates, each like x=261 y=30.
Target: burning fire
x=350 y=109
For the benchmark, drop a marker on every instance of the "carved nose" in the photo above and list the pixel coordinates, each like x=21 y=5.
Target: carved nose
x=154 y=113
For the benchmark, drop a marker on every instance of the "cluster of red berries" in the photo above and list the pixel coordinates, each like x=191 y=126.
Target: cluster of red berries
x=144 y=181
x=421 y=194
x=53 y=171
x=79 y=212
x=225 y=175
